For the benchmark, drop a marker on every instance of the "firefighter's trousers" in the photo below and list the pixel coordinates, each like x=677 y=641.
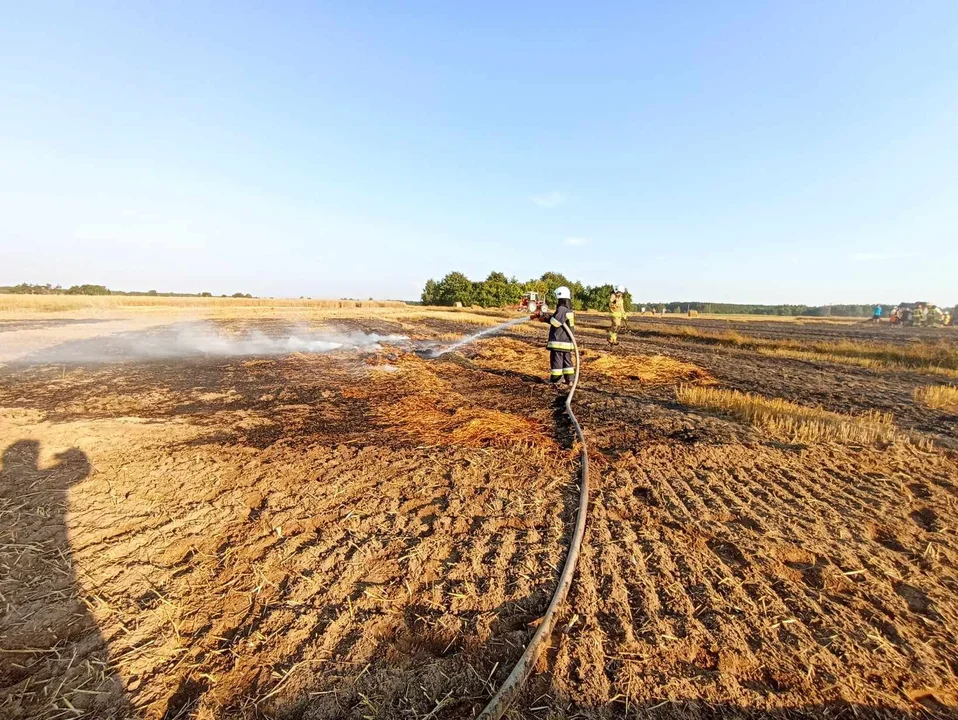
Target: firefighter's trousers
x=562 y=366
x=614 y=328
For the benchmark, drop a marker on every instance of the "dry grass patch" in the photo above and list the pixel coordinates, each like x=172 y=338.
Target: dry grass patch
x=508 y=354
x=485 y=318
x=418 y=406
x=938 y=397
x=938 y=358
x=859 y=361
x=432 y=419
x=646 y=369
x=64 y=303
x=817 y=357
x=393 y=376
x=793 y=422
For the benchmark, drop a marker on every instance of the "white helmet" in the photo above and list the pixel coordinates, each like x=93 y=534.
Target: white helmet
x=563 y=293
x=620 y=288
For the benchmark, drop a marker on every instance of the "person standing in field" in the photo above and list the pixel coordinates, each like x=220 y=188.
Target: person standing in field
x=936 y=315
x=877 y=315
x=560 y=342
x=617 y=313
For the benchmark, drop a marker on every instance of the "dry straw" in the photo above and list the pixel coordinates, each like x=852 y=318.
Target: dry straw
x=64 y=303
x=938 y=397
x=431 y=419
x=793 y=422
x=647 y=369
x=509 y=354
x=414 y=404
x=940 y=358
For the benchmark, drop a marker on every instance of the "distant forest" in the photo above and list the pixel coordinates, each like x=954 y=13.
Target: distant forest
x=28 y=289
x=497 y=290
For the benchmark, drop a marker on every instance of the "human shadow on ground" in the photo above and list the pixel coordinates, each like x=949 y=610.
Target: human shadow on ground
x=53 y=658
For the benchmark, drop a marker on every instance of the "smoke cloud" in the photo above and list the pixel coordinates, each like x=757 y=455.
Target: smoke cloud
x=206 y=340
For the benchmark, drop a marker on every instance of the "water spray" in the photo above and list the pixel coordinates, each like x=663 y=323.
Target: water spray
x=438 y=352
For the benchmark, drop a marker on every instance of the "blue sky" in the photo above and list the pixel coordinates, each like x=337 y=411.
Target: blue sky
x=756 y=152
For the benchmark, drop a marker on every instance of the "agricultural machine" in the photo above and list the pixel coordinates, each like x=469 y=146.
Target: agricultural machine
x=532 y=304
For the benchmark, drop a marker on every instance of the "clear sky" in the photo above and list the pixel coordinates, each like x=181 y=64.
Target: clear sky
x=749 y=151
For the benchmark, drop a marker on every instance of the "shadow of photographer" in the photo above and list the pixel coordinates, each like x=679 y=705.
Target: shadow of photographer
x=53 y=659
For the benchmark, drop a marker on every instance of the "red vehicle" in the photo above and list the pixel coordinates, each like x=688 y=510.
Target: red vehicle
x=532 y=304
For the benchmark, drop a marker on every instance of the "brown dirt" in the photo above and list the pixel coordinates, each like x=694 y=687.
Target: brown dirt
x=834 y=386
x=322 y=537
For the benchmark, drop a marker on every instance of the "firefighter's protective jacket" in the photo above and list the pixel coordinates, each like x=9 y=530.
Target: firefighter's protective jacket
x=558 y=337
x=617 y=306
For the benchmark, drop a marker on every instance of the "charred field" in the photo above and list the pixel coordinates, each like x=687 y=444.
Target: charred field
x=288 y=533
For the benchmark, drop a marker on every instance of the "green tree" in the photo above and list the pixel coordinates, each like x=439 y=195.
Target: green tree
x=430 y=293
x=594 y=297
x=497 y=291
x=597 y=297
x=552 y=280
x=88 y=290
x=453 y=288
x=538 y=286
x=484 y=294
x=456 y=288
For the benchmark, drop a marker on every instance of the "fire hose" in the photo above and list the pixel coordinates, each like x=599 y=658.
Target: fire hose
x=524 y=666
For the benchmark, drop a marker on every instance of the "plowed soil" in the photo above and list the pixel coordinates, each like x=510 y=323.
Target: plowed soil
x=344 y=536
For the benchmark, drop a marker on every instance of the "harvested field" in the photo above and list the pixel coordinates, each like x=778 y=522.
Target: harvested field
x=936 y=358
x=364 y=533
x=938 y=397
x=793 y=422
x=646 y=369
x=65 y=303
x=510 y=355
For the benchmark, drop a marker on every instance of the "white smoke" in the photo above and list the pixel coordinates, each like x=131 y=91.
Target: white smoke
x=192 y=341
x=206 y=340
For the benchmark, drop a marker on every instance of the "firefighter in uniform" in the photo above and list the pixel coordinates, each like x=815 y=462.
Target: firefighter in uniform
x=560 y=344
x=935 y=316
x=617 y=311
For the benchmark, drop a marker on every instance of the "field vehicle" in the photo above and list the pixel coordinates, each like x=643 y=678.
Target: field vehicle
x=532 y=304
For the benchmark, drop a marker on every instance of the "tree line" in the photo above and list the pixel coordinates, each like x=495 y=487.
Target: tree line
x=497 y=290
x=48 y=289
x=707 y=308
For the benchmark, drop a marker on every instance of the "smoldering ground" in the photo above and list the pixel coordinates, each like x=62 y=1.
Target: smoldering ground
x=206 y=339
x=199 y=339
x=299 y=536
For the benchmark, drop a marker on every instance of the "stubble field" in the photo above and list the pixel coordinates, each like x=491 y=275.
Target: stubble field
x=226 y=518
